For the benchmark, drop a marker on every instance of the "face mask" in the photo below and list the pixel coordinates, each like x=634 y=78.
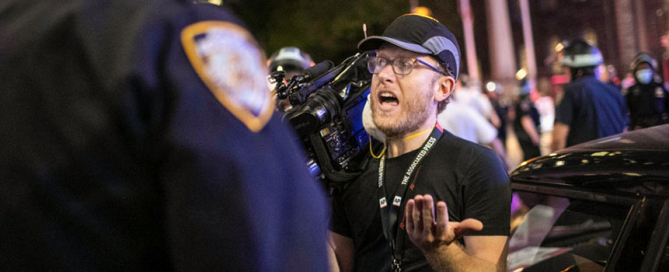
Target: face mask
x=644 y=76
x=370 y=127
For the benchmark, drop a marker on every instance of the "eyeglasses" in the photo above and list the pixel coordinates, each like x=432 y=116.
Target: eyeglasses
x=401 y=66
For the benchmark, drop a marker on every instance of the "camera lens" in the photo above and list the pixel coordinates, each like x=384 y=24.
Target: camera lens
x=315 y=112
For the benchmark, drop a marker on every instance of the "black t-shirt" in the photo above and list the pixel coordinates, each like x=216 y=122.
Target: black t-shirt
x=468 y=177
x=591 y=109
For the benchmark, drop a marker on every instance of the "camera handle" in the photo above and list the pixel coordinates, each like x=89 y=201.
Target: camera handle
x=326 y=167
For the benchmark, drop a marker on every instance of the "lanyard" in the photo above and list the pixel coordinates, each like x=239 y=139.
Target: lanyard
x=389 y=213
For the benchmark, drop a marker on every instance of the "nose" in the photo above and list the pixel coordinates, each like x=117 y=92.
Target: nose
x=387 y=73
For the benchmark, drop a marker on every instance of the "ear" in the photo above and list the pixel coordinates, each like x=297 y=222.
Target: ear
x=444 y=88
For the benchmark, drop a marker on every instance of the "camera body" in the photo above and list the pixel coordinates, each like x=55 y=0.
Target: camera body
x=327 y=105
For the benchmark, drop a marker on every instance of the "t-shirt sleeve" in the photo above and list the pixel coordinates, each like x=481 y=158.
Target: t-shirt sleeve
x=564 y=111
x=487 y=194
x=338 y=221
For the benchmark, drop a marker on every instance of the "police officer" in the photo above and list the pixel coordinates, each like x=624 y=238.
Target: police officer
x=647 y=99
x=292 y=61
x=140 y=136
x=589 y=108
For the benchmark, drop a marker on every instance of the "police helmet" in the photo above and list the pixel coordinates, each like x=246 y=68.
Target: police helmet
x=643 y=58
x=290 y=59
x=580 y=54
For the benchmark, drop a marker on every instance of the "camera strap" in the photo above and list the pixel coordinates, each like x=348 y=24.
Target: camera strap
x=390 y=213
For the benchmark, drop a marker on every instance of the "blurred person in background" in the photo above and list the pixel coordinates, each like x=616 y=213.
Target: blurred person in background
x=546 y=107
x=526 y=124
x=501 y=108
x=607 y=74
x=647 y=99
x=627 y=82
x=292 y=61
x=140 y=136
x=467 y=123
x=470 y=94
x=589 y=109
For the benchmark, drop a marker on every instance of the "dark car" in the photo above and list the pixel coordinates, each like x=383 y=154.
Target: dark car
x=597 y=206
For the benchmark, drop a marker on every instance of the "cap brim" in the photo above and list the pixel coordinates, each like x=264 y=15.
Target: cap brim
x=374 y=42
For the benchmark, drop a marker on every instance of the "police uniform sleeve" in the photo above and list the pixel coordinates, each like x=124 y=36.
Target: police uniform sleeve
x=487 y=194
x=564 y=112
x=236 y=195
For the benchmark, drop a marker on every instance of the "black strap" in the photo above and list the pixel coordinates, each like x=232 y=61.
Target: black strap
x=390 y=211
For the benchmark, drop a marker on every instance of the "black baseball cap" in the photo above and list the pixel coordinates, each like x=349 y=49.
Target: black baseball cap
x=420 y=34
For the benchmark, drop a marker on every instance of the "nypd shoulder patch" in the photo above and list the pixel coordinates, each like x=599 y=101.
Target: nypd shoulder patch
x=231 y=64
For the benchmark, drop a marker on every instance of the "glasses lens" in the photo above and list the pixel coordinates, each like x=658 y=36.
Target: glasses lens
x=375 y=64
x=403 y=66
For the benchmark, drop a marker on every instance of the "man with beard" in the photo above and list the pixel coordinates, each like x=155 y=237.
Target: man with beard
x=386 y=219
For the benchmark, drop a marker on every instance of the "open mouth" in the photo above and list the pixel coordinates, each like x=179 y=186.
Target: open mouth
x=387 y=98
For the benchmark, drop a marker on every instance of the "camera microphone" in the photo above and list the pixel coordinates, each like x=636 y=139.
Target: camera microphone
x=318 y=69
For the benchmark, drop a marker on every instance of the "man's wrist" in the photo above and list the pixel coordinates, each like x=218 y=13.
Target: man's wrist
x=443 y=256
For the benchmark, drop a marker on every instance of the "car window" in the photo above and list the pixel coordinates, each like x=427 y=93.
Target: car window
x=551 y=233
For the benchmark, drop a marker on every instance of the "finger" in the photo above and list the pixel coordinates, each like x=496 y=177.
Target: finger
x=408 y=210
x=428 y=217
x=416 y=213
x=442 y=221
x=465 y=227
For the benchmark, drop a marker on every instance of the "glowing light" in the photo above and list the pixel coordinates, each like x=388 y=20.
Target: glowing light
x=216 y=2
x=559 y=163
x=559 y=47
x=523 y=163
x=422 y=11
x=600 y=154
x=632 y=174
x=522 y=73
x=491 y=86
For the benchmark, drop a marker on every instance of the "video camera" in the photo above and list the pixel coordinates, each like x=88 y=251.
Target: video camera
x=327 y=104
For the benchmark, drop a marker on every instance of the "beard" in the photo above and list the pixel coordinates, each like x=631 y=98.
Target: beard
x=416 y=110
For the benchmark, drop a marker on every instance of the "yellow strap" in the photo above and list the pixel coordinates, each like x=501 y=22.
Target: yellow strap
x=372 y=151
x=418 y=134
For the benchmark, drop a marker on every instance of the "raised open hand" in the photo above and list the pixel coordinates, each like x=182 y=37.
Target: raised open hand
x=428 y=232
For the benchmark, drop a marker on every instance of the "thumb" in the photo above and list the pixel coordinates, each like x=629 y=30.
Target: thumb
x=466 y=226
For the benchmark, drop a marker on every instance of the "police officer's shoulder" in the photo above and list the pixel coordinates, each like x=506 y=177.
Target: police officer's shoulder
x=228 y=59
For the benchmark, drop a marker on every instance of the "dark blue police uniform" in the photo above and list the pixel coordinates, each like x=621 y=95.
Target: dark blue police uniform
x=139 y=136
x=648 y=105
x=591 y=109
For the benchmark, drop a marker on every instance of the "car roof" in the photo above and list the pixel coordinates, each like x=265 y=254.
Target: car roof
x=653 y=138
x=634 y=162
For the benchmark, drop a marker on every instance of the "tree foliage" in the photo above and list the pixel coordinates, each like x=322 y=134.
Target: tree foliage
x=329 y=29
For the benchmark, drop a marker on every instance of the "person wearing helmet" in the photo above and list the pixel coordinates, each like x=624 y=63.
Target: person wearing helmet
x=647 y=99
x=292 y=61
x=427 y=176
x=589 y=108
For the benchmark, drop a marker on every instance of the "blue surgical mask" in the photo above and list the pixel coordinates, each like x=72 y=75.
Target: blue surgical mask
x=644 y=76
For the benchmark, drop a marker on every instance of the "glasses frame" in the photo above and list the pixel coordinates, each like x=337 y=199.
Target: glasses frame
x=392 y=64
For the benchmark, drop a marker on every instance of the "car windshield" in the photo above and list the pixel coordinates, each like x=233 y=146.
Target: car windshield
x=551 y=233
